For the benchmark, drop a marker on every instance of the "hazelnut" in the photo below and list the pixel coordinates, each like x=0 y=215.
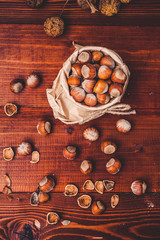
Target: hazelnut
x=24 y=148
x=90 y=100
x=113 y=166
x=33 y=80
x=118 y=76
x=43 y=127
x=108 y=147
x=91 y=134
x=84 y=201
x=70 y=190
x=86 y=167
x=76 y=69
x=108 y=61
x=84 y=57
x=52 y=218
x=78 y=94
x=96 y=56
x=115 y=90
x=70 y=152
x=138 y=187
x=34 y=199
x=43 y=197
x=99 y=187
x=10 y=109
x=114 y=200
x=8 y=154
x=88 y=85
x=123 y=126
x=88 y=71
x=35 y=157
x=16 y=85
x=103 y=98
x=97 y=66
x=109 y=185
x=47 y=184
x=88 y=185
x=7 y=190
x=97 y=207
x=104 y=72
x=101 y=87
x=74 y=80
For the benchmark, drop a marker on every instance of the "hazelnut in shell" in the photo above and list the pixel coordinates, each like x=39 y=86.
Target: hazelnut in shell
x=70 y=190
x=108 y=147
x=138 y=187
x=90 y=100
x=104 y=72
x=8 y=154
x=47 y=184
x=88 y=185
x=84 y=201
x=44 y=127
x=115 y=90
x=96 y=56
x=91 y=134
x=86 y=167
x=97 y=207
x=113 y=166
x=88 y=71
x=52 y=218
x=70 y=152
x=10 y=109
x=76 y=69
x=35 y=157
x=24 y=149
x=118 y=76
x=33 y=80
x=74 y=80
x=16 y=85
x=54 y=26
x=78 y=94
x=88 y=85
x=43 y=197
x=108 y=61
x=114 y=200
x=99 y=187
x=123 y=125
x=109 y=185
x=103 y=98
x=85 y=57
x=101 y=87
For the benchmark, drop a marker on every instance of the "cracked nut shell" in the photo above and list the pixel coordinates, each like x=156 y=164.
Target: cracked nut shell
x=35 y=157
x=109 y=185
x=10 y=109
x=70 y=190
x=88 y=185
x=52 y=218
x=97 y=207
x=84 y=201
x=54 y=26
x=99 y=187
x=8 y=154
x=114 y=200
x=34 y=199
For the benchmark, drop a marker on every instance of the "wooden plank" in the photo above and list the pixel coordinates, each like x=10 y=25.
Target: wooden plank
x=142 y=13
x=136 y=217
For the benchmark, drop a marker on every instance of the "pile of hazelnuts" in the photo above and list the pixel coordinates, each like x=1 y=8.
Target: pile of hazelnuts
x=95 y=78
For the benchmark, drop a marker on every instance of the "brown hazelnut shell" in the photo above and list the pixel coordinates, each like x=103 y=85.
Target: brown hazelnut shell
x=47 y=184
x=113 y=166
x=70 y=152
x=97 y=207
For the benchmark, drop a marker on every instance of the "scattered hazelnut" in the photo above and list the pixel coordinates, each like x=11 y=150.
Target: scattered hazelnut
x=91 y=134
x=33 y=80
x=88 y=85
x=101 y=87
x=108 y=147
x=118 y=76
x=10 y=109
x=84 y=201
x=108 y=61
x=96 y=56
x=7 y=180
x=7 y=190
x=138 y=187
x=24 y=148
x=35 y=157
x=97 y=207
x=70 y=152
x=16 y=85
x=53 y=218
x=47 y=184
x=78 y=94
x=86 y=167
x=74 y=80
x=76 y=69
x=115 y=90
x=88 y=71
x=104 y=72
x=114 y=200
x=43 y=127
x=113 y=166
x=123 y=126
x=88 y=185
x=84 y=57
x=103 y=98
x=90 y=100
x=109 y=185
x=70 y=190
x=54 y=26
x=43 y=197
x=34 y=199
x=99 y=187
x=8 y=154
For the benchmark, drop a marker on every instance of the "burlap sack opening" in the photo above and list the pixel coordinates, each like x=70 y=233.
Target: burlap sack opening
x=66 y=109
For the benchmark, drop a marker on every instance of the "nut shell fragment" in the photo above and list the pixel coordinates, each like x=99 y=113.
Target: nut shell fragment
x=7 y=190
x=7 y=180
x=10 y=109
x=52 y=218
x=70 y=190
x=99 y=187
x=88 y=185
x=84 y=201
x=35 y=157
x=109 y=185
x=34 y=199
x=114 y=200
x=65 y=222
x=8 y=154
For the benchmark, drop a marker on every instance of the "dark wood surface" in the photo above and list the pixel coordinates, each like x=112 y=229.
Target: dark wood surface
x=24 y=47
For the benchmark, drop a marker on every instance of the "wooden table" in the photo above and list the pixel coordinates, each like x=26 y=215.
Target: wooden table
x=24 y=47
